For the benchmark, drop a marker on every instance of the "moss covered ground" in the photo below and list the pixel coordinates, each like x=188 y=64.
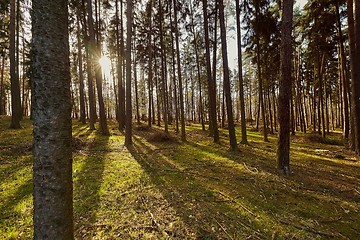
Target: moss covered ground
x=162 y=188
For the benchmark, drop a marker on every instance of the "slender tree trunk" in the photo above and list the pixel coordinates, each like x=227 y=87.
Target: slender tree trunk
x=174 y=78
x=52 y=170
x=81 y=75
x=16 y=113
x=149 y=36
x=119 y=71
x=136 y=93
x=163 y=74
x=285 y=88
x=129 y=23
x=211 y=80
x=2 y=87
x=232 y=136
x=201 y=111
x=344 y=75
x=321 y=93
x=241 y=80
x=98 y=75
x=354 y=39
x=182 y=116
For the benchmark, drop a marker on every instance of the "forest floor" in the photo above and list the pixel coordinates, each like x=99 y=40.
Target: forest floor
x=168 y=189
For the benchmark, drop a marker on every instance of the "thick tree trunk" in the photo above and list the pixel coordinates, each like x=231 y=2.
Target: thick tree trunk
x=16 y=113
x=232 y=136
x=285 y=88
x=53 y=191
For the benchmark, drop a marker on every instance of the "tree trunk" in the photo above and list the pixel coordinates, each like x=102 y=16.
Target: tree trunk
x=201 y=112
x=285 y=88
x=129 y=23
x=210 y=78
x=241 y=80
x=96 y=54
x=16 y=113
x=354 y=38
x=163 y=74
x=81 y=75
x=344 y=75
x=2 y=87
x=174 y=78
x=232 y=136
x=182 y=117
x=53 y=191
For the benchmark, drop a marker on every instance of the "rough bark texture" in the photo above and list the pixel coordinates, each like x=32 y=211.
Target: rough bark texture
x=285 y=88
x=53 y=192
x=16 y=112
x=232 y=136
x=128 y=127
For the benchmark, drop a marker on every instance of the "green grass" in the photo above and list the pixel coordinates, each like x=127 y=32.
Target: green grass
x=192 y=190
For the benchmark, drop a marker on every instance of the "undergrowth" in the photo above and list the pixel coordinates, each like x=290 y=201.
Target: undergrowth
x=162 y=188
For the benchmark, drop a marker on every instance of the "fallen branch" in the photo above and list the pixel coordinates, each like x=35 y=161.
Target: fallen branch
x=230 y=237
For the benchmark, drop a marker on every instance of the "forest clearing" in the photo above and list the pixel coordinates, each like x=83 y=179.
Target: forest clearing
x=169 y=189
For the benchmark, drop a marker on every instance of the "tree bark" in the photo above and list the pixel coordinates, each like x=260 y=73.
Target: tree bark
x=285 y=88
x=16 y=113
x=129 y=23
x=354 y=37
x=53 y=191
x=232 y=136
x=81 y=75
x=241 y=80
x=182 y=115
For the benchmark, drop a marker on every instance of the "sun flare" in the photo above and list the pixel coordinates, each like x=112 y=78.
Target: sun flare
x=105 y=64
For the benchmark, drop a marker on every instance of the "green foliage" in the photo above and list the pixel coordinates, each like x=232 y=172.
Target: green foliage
x=192 y=190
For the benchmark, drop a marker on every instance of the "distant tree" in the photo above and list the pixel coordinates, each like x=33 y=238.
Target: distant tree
x=53 y=191
x=285 y=87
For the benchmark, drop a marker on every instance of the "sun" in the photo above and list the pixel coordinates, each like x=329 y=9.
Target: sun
x=105 y=64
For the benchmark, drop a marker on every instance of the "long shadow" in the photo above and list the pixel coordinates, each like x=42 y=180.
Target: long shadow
x=87 y=183
x=197 y=198
x=246 y=186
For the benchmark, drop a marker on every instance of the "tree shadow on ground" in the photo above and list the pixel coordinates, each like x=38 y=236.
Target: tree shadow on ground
x=88 y=178
x=246 y=188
